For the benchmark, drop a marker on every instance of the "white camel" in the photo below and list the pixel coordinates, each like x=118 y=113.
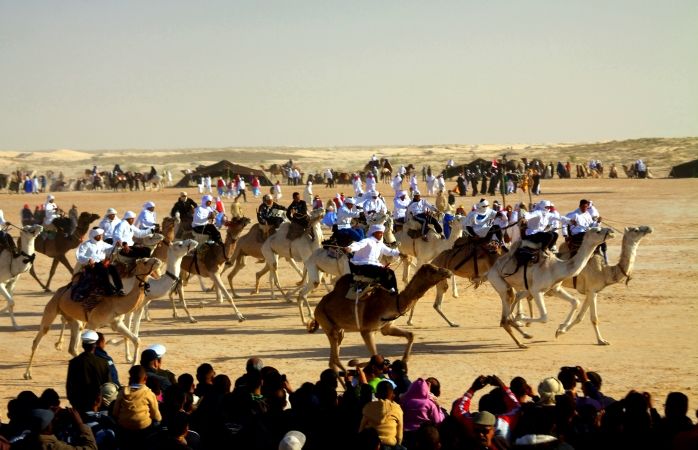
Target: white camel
x=321 y=262
x=597 y=274
x=11 y=268
x=297 y=250
x=424 y=251
x=160 y=287
x=514 y=283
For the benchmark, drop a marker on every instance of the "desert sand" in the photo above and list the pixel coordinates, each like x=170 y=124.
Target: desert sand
x=652 y=323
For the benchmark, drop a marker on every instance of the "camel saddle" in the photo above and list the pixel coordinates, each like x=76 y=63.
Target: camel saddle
x=296 y=231
x=88 y=288
x=124 y=265
x=361 y=287
x=263 y=232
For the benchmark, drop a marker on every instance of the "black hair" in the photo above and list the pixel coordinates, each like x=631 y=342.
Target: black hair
x=383 y=389
x=136 y=374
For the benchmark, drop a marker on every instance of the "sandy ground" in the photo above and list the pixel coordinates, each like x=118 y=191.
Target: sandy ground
x=652 y=324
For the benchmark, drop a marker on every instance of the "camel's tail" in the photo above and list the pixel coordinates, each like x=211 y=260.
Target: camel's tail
x=313 y=326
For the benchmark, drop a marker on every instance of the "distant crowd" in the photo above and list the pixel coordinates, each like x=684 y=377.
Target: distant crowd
x=375 y=405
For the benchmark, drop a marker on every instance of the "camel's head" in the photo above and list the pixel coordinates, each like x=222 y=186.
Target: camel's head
x=432 y=273
x=168 y=223
x=376 y=218
x=237 y=223
x=87 y=218
x=148 y=267
x=31 y=231
x=153 y=240
x=181 y=248
x=597 y=236
x=637 y=233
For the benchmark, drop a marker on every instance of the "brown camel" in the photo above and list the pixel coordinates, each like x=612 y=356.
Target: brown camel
x=470 y=260
x=375 y=311
x=209 y=263
x=60 y=245
x=274 y=169
x=108 y=311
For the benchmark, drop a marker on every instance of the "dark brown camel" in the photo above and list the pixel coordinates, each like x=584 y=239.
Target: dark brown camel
x=60 y=245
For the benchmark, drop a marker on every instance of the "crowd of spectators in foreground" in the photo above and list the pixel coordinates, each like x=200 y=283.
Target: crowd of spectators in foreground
x=373 y=406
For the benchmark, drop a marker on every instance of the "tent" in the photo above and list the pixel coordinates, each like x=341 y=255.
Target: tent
x=224 y=169
x=685 y=170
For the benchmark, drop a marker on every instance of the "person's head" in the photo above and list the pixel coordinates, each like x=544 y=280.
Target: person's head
x=568 y=377
x=296 y=196
x=482 y=206
x=137 y=375
x=101 y=341
x=519 y=386
x=367 y=439
x=183 y=196
x=205 y=373
x=41 y=420
x=583 y=205
x=50 y=399
x=349 y=202
x=483 y=427
x=595 y=379
x=186 y=382
x=548 y=389
x=416 y=196
x=377 y=231
x=402 y=195
x=206 y=200
x=254 y=364
x=178 y=425
x=150 y=206
x=427 y=437
x=293 y=440
x=385 y=390
x=222 y=384
x=89 y=340
x=109 y=392
x=96 y=234
x=130 y=217
x=50 y=199
x=676 y=405
x=267 y=199
x=149 y=358
x=111 y=213
x=434 y=386
x=328 y=378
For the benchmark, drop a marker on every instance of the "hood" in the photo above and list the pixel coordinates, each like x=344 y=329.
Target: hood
x=131 y=395
x=418 y=390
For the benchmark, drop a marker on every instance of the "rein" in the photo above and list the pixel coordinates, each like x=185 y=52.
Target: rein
x=177 y=280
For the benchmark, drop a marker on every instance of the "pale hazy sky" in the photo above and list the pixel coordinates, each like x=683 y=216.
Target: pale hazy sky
x=102 y=74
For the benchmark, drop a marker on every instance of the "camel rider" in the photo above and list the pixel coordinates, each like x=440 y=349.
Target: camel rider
x=7 y=241
x=93 y=256
x=345 y=214
x=420 y=210
x=400 y=204
x=297 y=212
x=52 y=212
x=203 y=221
x=125 y=231
x=480 y=223
x=147 y=217
x=366 y=254
x=108 y=223
x=580 y=221
x=539 y=226
x=374 y=204
x=267 y=212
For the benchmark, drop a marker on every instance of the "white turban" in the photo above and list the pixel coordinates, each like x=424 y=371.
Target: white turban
x=96 y=232
x=147 y=205
x=376 y=227
x=206 y=198
x=129 y=215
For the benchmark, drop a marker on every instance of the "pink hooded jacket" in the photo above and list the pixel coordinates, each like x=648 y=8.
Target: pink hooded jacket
x=418 y=407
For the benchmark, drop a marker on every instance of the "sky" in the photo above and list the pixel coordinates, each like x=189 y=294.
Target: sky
x=178 y=74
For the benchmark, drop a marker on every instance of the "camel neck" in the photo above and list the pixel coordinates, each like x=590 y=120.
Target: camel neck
x=576 y=264
x=626 y=262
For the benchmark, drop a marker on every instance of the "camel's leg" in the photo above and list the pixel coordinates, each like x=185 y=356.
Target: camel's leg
x=50 y=313
x=239 y=264
x=32 y=272
x=406 y=269
x=222 y=290
x=390 y=330
x=335 y=336
x=120 y=327
x=540 y=302
x=58 y=259
x=10 y=305
x=59 y=343
x=440 y=289
x=75 y=330
x=293 y=264
x=454 y=286
x=595 y=319
x=303 y=299
x=258 y=277
x=369 y=340
x=180 y=292
x=574 y=306
x=506 y=295
x=146 y=313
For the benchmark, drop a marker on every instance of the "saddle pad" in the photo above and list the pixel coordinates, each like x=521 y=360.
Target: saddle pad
x=525 y=255
x=365 y=290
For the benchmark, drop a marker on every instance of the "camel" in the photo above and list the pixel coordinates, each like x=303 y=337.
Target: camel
x=597 y=275
x=211 y=264
x=158 y=288
x=470 y=261
x=425 y=251
x=545 y=276
x=11 y=268
x=274 y=169
x=375 y=311
x=108 y=311
x=60 y=245
x=298 y=249
x=321 y=262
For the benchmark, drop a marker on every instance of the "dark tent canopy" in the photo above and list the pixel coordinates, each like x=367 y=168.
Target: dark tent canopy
x=224 y=169
x=685 y=170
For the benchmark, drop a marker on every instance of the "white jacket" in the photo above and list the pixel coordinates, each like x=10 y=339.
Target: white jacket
x=91 y=249
x=481 y=223
x=344 y=216
x=146 y=219
x=367 y=251
x=108 y=226
x=125 y=232
x=201 y=215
